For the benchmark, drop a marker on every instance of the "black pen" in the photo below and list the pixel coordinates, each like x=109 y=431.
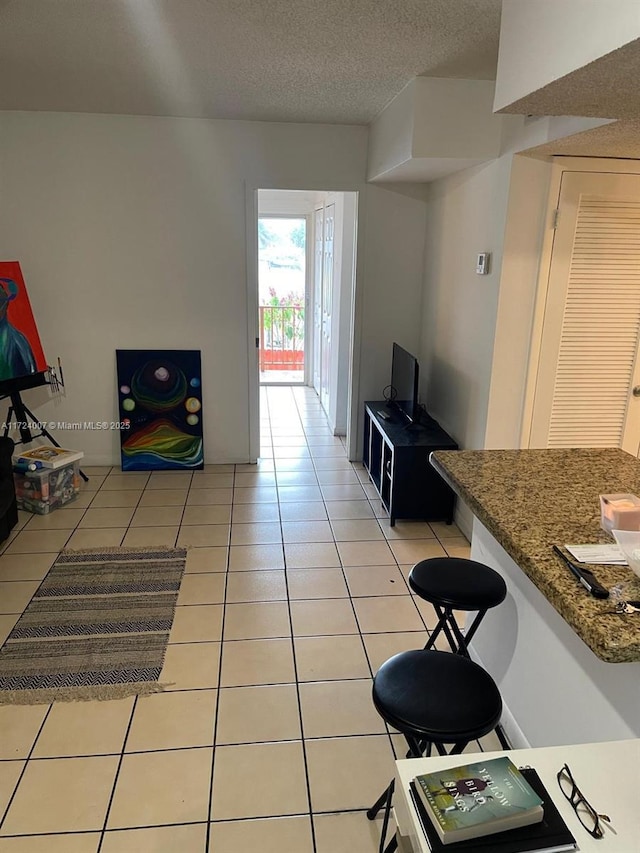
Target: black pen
x=585 y=577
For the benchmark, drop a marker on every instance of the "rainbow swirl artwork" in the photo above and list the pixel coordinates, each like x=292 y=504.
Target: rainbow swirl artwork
x=159 y=385
x=160 y=406
x=161 y=441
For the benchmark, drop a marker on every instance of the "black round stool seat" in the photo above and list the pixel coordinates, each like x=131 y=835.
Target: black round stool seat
x=436 y=696
x=458 y=583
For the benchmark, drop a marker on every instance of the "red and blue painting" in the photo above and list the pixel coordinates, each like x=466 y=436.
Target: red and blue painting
x=20 y=348
x=160 y=406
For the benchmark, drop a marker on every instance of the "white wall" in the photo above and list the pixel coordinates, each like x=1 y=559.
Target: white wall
x=543 y=40
x=131 y=234
x=389 y=305
x=476 y=330
x=391 y=133
x=454 y=119
x=526 y=221
x=465 y=215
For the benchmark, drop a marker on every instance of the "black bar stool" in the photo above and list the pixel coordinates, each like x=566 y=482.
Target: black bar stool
x=433 y=698
x=453 y=583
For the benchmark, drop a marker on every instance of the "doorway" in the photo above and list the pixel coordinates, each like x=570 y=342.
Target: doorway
x=282 y=297
x=302 y=264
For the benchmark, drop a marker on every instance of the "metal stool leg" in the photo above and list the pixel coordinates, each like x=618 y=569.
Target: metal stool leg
x=372 y=813
x=458 y=642
x=416 y=750
x=384 y=800
x=504 y=743
x=423 y=750
x=468 y=636
x=416 y=747
x=385 y=823
x=457 y=748
x=392 y=845
x=444 y=617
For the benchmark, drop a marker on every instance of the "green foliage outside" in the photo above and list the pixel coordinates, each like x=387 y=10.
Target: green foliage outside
x=266 y=237
x=299 y=236
x=285 y=323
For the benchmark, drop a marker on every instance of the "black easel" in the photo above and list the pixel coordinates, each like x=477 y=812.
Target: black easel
x=24 y=417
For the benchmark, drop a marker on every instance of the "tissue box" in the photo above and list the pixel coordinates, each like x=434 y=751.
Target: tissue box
x=619 y=512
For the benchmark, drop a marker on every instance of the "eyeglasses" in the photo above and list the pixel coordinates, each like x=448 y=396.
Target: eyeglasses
x=585 y=812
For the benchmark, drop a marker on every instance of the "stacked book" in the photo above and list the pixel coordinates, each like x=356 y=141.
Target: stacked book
x=489 y=807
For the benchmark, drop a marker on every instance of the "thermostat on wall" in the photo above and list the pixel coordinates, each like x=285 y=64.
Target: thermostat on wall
x=482 y=264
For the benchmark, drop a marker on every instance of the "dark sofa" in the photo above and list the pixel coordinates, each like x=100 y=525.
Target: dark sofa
x=8 y=507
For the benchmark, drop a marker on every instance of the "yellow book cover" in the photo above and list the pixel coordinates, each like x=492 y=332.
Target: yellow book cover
x=48 y=456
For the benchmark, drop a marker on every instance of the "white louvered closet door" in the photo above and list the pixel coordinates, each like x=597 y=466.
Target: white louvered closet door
x=589 y=360
x=318 y=265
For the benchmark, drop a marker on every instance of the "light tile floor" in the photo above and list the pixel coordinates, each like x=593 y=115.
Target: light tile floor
x=295 y=592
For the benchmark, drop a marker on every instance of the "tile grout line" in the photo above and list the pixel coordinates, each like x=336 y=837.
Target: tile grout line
x=208 y=845
x=305 y=757
x=117 y=775
x=127 y=529
x=26 y=764
x=360 y=634
x=351 y=598
x=179 y=529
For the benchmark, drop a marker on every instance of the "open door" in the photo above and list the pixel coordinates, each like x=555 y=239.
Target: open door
x=282 y=296
x=327 y=307
x=318 y=264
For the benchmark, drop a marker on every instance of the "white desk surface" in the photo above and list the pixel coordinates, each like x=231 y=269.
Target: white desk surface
x=608 y=774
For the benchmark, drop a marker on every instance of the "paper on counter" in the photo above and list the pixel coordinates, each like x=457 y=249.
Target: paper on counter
x=602 y=554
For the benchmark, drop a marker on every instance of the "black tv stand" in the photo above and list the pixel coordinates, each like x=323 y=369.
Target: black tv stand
x=396 y=456
x=427 y=421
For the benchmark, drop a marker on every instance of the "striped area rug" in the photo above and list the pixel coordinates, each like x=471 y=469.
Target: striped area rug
x=97 y=627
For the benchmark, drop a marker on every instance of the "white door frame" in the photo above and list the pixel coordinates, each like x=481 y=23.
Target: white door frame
x=253 y=385
x=253 y=333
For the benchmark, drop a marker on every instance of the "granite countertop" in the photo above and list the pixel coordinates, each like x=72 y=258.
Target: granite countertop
x=531 y=499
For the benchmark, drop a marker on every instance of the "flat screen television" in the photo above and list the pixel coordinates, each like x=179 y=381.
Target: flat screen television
x=404 y=383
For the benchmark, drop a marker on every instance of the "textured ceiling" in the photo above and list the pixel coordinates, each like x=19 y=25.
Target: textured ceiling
x=620 y=139
x=337 y=61
x=605 y=88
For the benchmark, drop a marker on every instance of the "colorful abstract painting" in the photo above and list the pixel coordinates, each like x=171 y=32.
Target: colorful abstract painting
x=160 y=404
x=21 y=352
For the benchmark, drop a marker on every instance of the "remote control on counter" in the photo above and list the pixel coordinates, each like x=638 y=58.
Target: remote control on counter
x=381 y=414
